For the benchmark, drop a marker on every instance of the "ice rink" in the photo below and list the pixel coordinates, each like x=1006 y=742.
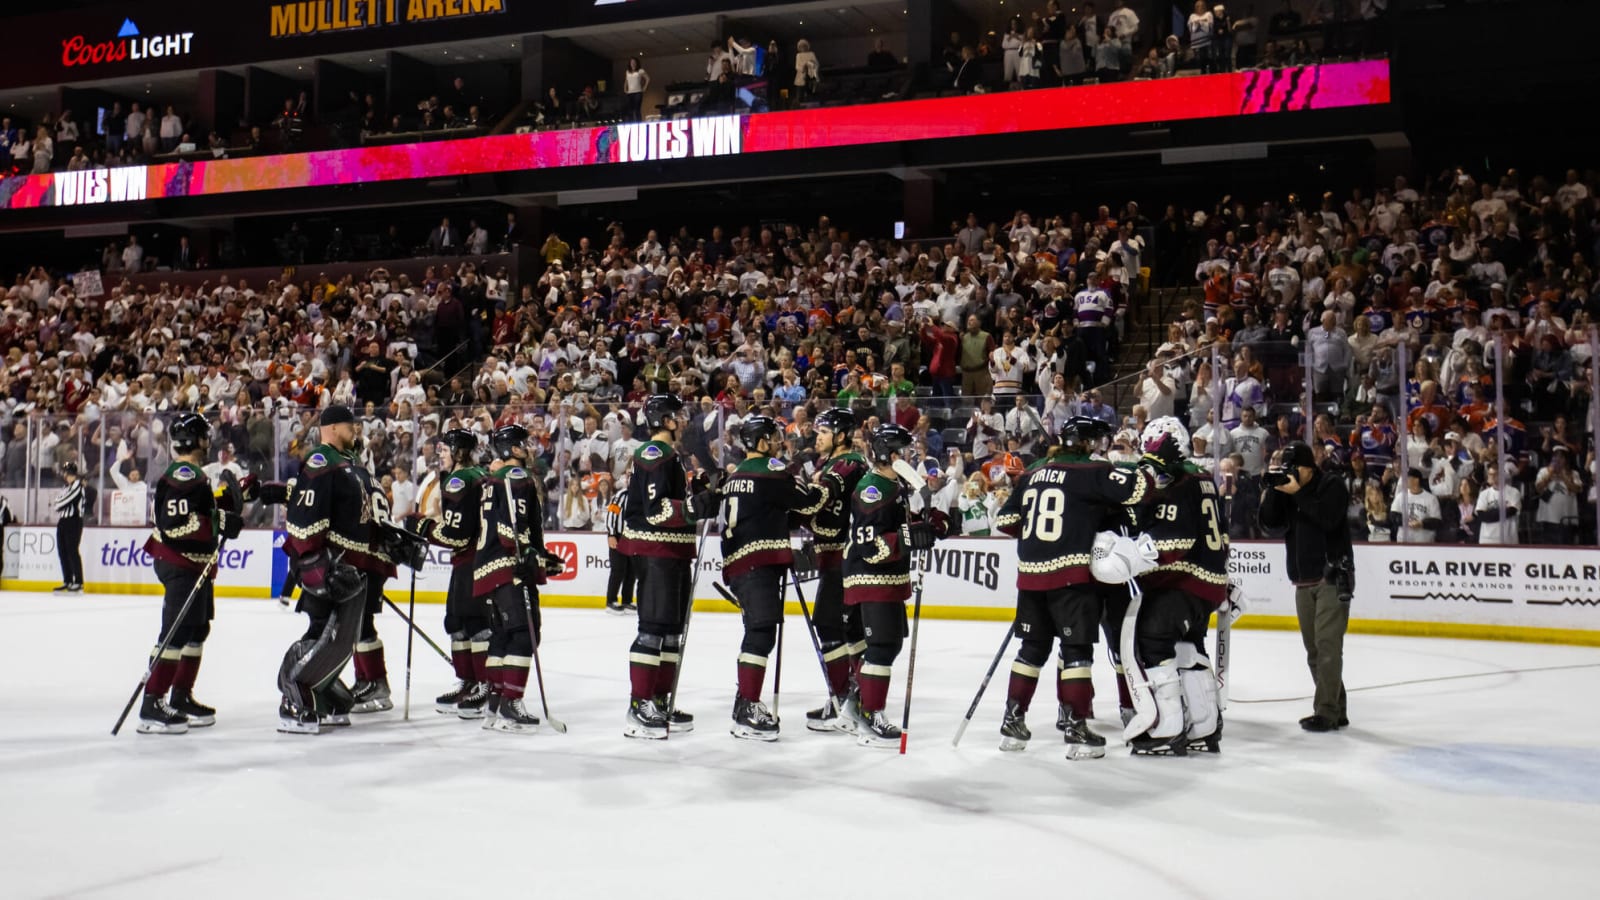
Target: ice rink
x=1482 y=786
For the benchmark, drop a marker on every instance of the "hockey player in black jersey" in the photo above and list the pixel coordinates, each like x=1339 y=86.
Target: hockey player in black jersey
x=658 y=531
x=509 y=564
x=329 y=547
x=838 y=626
x=877 y=577
x=758 y=499
x=1181 y=588
x=191 y=521
x=1054 y=512
x=465 y=617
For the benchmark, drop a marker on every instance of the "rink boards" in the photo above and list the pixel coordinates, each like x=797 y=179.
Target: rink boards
x=1549 y=594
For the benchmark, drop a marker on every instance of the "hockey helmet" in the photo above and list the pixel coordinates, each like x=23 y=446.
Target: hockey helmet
x=506 y=439
x=838 y=420
x=887 y=440
x=1081 y=435
x=188 y=432
x=754 y=428
x=1166 y=428
x=660 y=408
x=462 y=445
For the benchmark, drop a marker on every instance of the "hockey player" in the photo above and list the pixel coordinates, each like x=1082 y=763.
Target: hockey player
x=1188 y=583
x=465 y=617
x=329 y=540
x=838 y=626
x=658 y=530
x=190 y=524
x=758 y=499
x=510 y=562
x=877 y=578
x=371 y=689
x=1054 y=513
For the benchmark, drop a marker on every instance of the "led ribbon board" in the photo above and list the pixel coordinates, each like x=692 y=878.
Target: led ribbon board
x=1331 y=86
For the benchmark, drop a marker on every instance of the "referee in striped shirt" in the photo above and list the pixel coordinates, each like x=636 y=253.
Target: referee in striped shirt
x=619 y=588
x=71 y=508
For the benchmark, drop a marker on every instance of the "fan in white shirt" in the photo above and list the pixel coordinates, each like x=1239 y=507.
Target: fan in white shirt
x=1497 y=510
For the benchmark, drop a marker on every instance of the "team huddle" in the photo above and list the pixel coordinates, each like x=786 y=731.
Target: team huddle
x=1135 y=550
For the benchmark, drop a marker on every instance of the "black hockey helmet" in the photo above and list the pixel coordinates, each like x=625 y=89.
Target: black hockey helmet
x=1081 y=434
x=754 y=428
x=506 y=439
x=839 y=420
x=661 y=407
x=462 y=443
x=188 y=432
x=889 y=439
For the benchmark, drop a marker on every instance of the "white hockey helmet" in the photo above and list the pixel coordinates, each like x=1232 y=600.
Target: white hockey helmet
x=1168 y=426
x=1118 y=559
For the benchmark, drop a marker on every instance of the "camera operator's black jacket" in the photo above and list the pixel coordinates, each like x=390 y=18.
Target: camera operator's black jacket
x=1315 y=518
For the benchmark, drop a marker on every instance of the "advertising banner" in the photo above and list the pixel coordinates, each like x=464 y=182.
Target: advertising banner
x=1520 y=593
x=1328 y=86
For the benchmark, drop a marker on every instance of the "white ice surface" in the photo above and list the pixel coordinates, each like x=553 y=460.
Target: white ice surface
x=1477 y=787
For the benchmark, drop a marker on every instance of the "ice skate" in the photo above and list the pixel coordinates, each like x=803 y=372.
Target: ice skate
x=829 y=718
x=198 y=714
x=157 y=717
x=644 y=720
x=677 y=719
x=1082 y=743
x=752 y=721
x=1014 y=733
x=372 y=696
x=474 y=703
x=297 y=721
x=513 y=717
x=445 y=704
x=878 y=731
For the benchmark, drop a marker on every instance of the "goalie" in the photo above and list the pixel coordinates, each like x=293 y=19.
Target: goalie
x=1178 y=572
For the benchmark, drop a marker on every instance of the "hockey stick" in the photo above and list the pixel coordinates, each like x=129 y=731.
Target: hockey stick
x=971 y=710
x=205 y=574
x=811 y=629
x=777 y=671
x=911 y=668
x=1144 y=704
x=420 y=633
x=538 y=668
x=411 y=606
x=704 y=528
x=727 y=595
x=527 y=610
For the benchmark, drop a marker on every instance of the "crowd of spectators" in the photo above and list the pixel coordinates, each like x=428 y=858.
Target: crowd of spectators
x=127 y=135
x=982 y=343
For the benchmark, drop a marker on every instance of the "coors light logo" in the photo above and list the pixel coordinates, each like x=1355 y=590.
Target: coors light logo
x=128 y=44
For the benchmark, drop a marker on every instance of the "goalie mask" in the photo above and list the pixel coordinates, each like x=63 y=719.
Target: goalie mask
x=1166 y=428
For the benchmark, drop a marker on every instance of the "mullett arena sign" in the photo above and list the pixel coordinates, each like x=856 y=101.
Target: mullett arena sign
x=329 y=16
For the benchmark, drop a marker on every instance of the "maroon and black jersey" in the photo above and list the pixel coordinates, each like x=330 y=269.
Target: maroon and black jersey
x=657 y=520
x=460 y=515
x=831 y=524
x=330 y=511
x=757 y=500
x=877 y=568
x=188 y=522
x=1185 y=521
x=1055 y=511
x=512 y=526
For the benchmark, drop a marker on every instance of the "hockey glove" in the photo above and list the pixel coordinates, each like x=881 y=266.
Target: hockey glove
x=939 y=521
x=421 y=526
x=917 y=536
x=704 y=505
x=553 y=564
x=404 y=547
x=250 y=488
x=229 y=523
x=273 y=493
x=345 y=583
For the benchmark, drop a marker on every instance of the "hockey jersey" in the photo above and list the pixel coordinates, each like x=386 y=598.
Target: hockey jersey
x=512 y=525
x=757 y=500
x=1046 y=514
x=188 y=522
x=460 y=514
x=329 y=510
x=877 y=569
x=830 y=526
x=1185 y=520
x=657 y=520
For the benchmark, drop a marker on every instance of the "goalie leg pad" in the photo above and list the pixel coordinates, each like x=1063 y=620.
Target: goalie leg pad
x=1200 y=702
x=1167 y=688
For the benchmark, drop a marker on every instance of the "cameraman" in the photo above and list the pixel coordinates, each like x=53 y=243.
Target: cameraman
x=1311 y=505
